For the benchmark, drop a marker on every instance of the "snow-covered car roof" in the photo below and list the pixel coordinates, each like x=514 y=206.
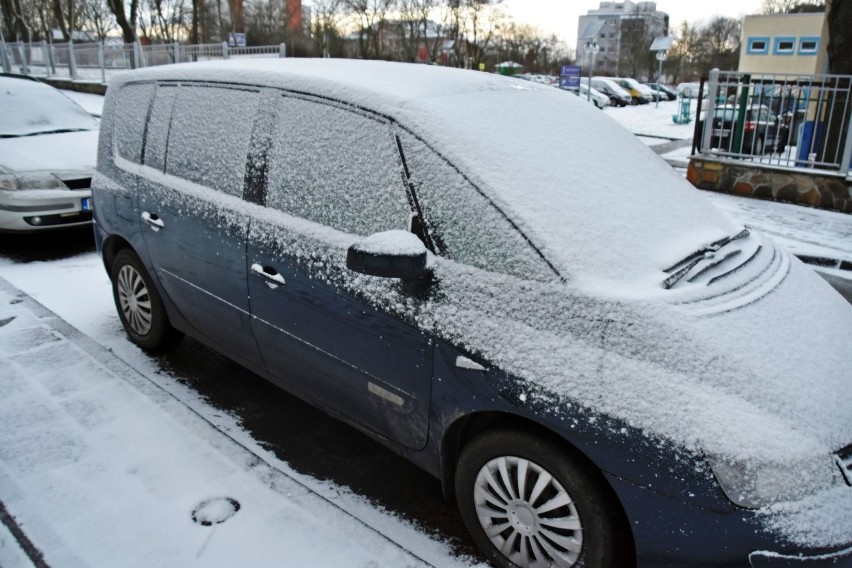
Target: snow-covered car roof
x=590 y=196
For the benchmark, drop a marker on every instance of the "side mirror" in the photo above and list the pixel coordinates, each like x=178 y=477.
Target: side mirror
x=390 y=254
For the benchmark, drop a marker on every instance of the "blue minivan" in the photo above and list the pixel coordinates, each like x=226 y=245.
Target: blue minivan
x=503 y=287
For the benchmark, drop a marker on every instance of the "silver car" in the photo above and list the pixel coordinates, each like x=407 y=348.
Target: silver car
x=48 y=145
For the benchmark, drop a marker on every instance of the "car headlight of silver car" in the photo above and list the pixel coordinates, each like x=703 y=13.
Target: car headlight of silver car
x=757 y=485
x=11 y=182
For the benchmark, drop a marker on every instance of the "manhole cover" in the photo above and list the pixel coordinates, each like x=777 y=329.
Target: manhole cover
x=215 y=511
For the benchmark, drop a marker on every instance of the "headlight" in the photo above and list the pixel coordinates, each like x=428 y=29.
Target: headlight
x=754 y=486
x=11 y=182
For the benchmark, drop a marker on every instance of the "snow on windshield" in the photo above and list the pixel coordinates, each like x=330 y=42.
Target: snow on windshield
x=587 y=193
x=28 y=107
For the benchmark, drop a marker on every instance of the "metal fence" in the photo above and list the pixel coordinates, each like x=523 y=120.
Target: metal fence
x=97 y=61
x=788 y=121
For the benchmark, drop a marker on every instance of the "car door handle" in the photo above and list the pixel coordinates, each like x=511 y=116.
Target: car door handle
x=269 y=275
x=153 y=221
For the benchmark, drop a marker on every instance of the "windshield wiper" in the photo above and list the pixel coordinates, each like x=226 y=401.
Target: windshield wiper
x=57 y=131
x=690 y=262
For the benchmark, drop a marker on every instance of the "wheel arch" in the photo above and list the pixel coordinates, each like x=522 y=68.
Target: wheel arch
x=468 y=427
x=111 y=247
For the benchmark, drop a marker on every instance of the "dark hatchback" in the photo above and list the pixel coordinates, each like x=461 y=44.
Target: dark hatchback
x=763 y=132
x=597 y=382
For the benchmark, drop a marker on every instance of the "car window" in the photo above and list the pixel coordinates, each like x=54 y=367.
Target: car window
x=467 y=225
x=133 y=100
x=158 y=127
x=336 y=167
x=209 y=136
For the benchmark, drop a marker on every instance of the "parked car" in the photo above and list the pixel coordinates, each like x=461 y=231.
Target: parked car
x=595 y=97
x=667 y=92
x=763 y=131
x=639 y=94
x=600 y=372
x=617 y=95
x=48 y=146
x=689 y=90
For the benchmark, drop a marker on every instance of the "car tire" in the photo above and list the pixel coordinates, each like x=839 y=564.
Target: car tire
x=139 y=305
x=518 y=475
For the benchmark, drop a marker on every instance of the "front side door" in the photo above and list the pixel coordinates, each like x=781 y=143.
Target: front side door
x=191 y=206
x=334 y=174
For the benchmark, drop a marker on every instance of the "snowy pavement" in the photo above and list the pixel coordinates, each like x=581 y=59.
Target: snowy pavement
x=101 y=460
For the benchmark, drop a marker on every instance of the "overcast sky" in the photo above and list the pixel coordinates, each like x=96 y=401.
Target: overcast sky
x=560 y=16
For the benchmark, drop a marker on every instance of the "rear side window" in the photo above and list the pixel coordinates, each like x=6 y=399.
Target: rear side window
x=467 y=225
x=158 y=127
x=336 y=167
x=130 y=116
x=209 y=136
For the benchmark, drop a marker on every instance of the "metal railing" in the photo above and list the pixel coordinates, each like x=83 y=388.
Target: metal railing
x=97 y=61
x=788 y=121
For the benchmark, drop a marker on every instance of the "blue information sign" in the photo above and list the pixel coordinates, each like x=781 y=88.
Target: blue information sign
x=569 y=77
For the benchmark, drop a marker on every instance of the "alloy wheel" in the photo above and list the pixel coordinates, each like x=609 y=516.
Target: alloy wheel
x=134 y=300
x=527 y=514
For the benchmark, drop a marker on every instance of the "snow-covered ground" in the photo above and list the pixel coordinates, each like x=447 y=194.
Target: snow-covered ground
x=104 y=458
x=653 y=121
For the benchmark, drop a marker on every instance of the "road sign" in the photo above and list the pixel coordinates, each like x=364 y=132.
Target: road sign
x=569 y=77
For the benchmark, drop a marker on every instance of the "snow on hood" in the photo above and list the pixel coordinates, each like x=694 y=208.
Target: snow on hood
x=29 y=107
x=70 y=151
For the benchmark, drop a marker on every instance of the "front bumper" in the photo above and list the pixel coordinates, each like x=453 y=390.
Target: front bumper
x=36 y=213
x=670 y=532
x=839 y=559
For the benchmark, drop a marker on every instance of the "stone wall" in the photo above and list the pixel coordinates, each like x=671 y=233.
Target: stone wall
x=814 y=188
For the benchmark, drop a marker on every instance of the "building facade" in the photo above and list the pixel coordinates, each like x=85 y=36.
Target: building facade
x=612 y=25
x=785 y=43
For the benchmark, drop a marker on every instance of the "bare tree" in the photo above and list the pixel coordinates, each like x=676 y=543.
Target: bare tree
x=681 y=63
x=371 y=21
x=791 y=6
x=637 y=35
x=266 y=21
x=473 y=26
x=165 y=20
x=126 y=20
x=97 y=18
x=719 y=43
x=416 y=26
x=326 y=16
x=528 y=46
x=483 y=22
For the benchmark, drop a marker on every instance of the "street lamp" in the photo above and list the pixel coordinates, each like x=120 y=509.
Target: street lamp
x=661 y=57
x=660 y=45
x=591 y=49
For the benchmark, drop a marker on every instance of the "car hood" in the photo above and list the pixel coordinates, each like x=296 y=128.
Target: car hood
x=55 y=153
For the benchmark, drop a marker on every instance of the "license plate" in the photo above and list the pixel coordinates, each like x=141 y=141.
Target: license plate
x=86 y=204
x=721 y=132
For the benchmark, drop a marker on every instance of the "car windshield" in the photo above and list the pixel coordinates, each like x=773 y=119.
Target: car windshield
x=29 y=107
x=548 y=165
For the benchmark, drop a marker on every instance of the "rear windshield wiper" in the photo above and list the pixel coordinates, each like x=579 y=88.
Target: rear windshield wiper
x=688 y=263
